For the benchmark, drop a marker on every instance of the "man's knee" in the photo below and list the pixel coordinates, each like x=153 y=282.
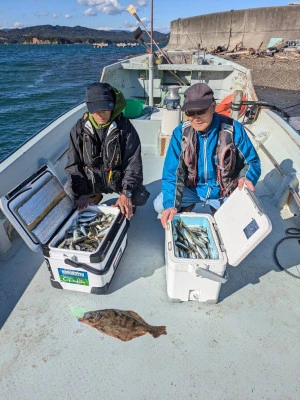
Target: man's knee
x=158 y=203
x=140 y=196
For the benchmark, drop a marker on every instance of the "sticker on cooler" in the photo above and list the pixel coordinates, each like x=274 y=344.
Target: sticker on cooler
x=117 y=259
x=251 y=228
x=71 y=276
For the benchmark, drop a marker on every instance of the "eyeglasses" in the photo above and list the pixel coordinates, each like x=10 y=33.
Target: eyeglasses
x=193 y=113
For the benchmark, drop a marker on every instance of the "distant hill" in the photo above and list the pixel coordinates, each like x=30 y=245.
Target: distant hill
x=69 y=35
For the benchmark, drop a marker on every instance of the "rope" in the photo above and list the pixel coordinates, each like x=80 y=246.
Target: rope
x=295 y=234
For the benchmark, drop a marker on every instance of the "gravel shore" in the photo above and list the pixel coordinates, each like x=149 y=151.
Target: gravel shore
x=273 y=72
x=276 y=80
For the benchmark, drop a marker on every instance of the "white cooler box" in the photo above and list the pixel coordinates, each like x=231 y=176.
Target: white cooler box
x=235 y=230
x=41 y=212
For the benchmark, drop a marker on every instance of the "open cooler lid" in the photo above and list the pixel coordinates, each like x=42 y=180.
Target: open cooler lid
x=242 y=224
x=37 y=207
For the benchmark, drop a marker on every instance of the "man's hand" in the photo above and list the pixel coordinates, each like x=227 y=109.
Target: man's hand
x=167 y=215
x=244 y=181
x=83 y=202
x=125 y=205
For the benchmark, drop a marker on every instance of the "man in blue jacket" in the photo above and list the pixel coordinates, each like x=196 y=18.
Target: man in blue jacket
x=192 y=172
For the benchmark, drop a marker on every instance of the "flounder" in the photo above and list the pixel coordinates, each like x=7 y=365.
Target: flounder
x=123 y=325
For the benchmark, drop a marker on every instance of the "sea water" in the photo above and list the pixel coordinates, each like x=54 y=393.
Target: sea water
x=38 y=83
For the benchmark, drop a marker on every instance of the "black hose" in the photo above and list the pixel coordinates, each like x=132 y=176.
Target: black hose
x=294 y=105
x=295 y=234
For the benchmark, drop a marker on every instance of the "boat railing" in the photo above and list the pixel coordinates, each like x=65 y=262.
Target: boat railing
x=179 y=67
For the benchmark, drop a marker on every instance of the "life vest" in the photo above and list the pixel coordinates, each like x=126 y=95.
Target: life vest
x=228 y=162
x=227 y=158
x=189 y=154
x=102 y=160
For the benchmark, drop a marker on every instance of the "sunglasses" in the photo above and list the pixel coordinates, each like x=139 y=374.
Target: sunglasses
x=193 y=113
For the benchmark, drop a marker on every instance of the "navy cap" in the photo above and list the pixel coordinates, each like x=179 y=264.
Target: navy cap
x=99 y=97
x=198 y=97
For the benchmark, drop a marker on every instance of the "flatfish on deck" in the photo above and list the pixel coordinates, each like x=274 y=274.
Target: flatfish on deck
x=123 y=325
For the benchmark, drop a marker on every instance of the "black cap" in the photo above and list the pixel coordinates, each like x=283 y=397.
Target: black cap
x=198 y=97
x=99 y=97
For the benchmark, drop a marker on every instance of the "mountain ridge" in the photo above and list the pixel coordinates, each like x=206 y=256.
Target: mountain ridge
x=69 y=35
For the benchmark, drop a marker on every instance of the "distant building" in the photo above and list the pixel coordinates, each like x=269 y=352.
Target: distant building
x=134 y=44
x=100 y=44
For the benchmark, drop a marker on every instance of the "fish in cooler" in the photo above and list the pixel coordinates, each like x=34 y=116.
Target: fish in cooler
x=123 y=325
x=191 y=241
x=87 y=231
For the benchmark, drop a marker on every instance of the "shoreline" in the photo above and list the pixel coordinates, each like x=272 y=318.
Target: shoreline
x=275 y=81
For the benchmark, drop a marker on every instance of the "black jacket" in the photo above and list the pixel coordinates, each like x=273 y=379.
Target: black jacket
x=104 y=160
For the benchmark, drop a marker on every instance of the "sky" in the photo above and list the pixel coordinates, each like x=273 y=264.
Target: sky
x=112 y=14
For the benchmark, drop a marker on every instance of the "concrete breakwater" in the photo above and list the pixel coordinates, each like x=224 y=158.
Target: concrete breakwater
x=251 y=27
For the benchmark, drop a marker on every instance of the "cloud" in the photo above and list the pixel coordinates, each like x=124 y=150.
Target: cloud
x=110 y=7
x=145 y=20
x=90 y=12
x=105 y=28
x=41 y=14
x=68 y=16
x=18 y=25
x=130 y=25
x=107 y=7
x=55 y=15
x=141 y=3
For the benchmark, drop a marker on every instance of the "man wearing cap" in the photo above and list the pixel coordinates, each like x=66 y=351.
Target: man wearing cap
x=190 y=171
x=104 y=153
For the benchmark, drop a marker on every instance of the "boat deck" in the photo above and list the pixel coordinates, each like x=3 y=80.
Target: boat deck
x=244 y=347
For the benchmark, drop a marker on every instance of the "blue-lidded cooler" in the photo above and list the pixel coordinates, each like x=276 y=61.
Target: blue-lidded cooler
x=41 y=212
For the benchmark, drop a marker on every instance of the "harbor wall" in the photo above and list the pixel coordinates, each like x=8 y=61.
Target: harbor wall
x=251 y=27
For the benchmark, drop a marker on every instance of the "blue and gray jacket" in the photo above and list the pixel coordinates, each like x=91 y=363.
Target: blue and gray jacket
x=206 y=184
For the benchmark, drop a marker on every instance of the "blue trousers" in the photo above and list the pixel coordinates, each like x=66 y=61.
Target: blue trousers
x=189 y=197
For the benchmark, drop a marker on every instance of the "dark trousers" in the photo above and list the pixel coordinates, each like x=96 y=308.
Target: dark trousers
x=139 y=197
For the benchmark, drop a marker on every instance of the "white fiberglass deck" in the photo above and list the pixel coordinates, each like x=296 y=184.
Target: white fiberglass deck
x=244 y=347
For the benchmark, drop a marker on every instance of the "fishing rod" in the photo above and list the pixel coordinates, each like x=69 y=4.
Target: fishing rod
x=236 y=103
x=289 y=185
x=236 y=106
x=266 y=105
x=132 y=11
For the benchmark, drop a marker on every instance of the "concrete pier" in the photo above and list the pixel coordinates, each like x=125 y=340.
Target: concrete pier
x=251 y=27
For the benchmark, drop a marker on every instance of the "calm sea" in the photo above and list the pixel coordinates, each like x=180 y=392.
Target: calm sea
x=38 y=83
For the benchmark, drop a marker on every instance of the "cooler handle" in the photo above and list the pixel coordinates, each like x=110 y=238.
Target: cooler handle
x=86 y=267
x=204 y=273
x=255 y=202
